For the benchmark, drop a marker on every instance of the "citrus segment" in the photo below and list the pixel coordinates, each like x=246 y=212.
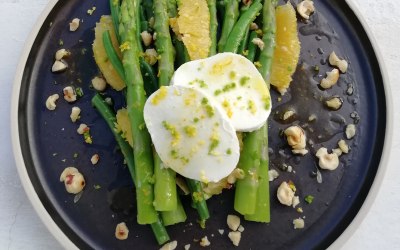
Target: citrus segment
x=287 y=50
x=100 y=54
x=194 y=25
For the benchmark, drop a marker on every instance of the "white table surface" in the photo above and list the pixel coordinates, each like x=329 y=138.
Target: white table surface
x=21 y=228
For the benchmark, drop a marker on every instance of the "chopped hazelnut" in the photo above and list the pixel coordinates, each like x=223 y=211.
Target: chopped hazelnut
x=298 y=223
x=82 y=129
x=330 y=79
x=59 y=66
x=273 y=174
x=295 y=201
x=337 y=151
x=259 y=42
x=147 y=38
x=99 y=83
x=334 y=103
x=343 y=146
x=95 y=159
x=326 y=160
x=305 y=8
x=285 y=194
x=334 y=60
x=69 y=94
x=253 y=26
x=204 y=242
x=74 y=24
x=312 y=117
x=350 y=131
x=151 y=55
x=75 y=112
x=61 y=53
x=170 y=245
x=233 y=222
x=51 y=102
x=288 y=114
x=296 y=138
x=235 y=237
x=73 y=180
x=121 y=231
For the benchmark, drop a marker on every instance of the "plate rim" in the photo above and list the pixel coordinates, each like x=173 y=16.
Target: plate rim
x=63 y=239
x=33 y=197
x=383 y=163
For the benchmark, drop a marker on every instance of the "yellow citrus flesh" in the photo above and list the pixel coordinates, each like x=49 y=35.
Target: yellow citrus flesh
x=194 y=25
x=123 y=125
x=100 y=55
x=287 y=50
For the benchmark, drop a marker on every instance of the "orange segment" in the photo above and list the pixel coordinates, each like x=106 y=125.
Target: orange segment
x=100 y=55
x=287 y=50
x=194 y=25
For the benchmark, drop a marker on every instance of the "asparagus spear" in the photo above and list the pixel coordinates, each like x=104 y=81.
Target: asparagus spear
x=249 y=161
x=251 y=47
x=115 y=11
x=198 y=200
x=112 y=54
x=108 y=115
x=165 y=186
x=239 y=29
x=212 y=6
x=262 y=208
x=262 y=211
x=174 y=216
x=230 y=17
x=146 y=214
x=182 y=57
x=163 y=42
x=269 y=29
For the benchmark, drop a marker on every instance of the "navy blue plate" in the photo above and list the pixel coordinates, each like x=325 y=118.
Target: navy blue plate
x=49 y=140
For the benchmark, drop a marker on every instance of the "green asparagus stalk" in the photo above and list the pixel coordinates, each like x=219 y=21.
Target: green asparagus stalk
x=251 y=47
x=269 y=29
x=165 y=194
x=262 y=211
x=144 y=25
x=149 y=77
x=165 y=186
x=171 y=8
x=146 y=214
x=115 y=12
x=175 y=216
x=160 y=232
x=244 y=42
x=198 y=200
x=212 y=6
x=147 y=6
x=249 y=161
x=230 y=17
x=112 y=54
x=163 y=43
x=108 y=115
x=239 y=29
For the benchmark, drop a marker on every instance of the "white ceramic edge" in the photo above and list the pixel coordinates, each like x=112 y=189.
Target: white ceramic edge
x=376 y=185
x=23 y=174
x=68 y=244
